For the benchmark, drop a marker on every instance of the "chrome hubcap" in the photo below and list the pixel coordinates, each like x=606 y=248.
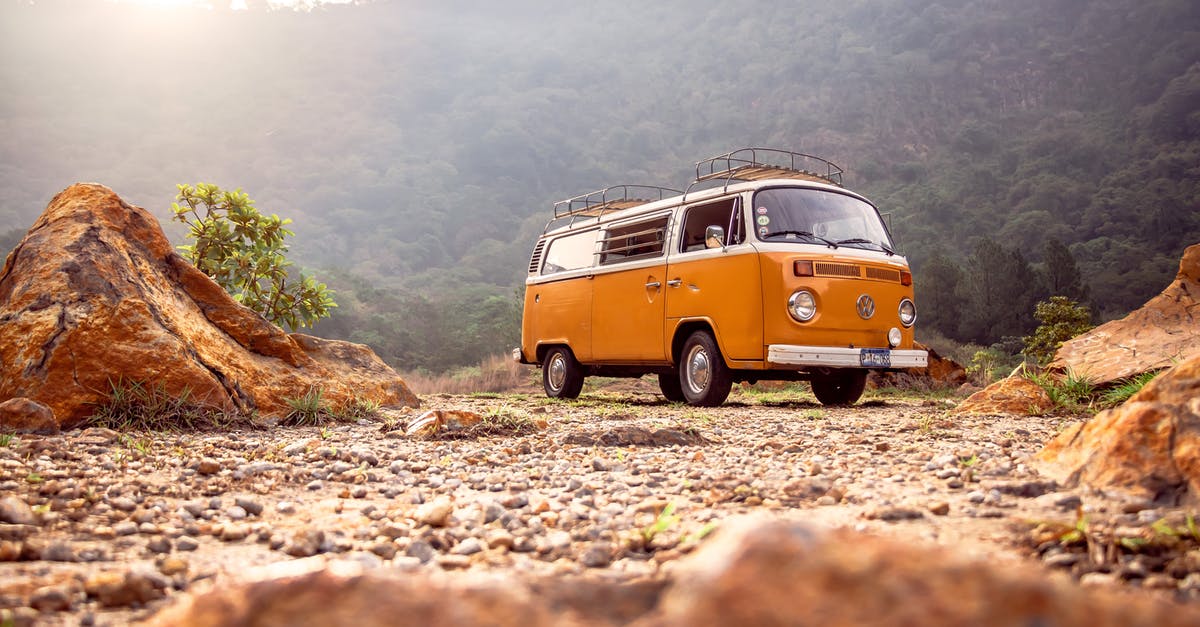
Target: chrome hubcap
x=558 y=372
x=697 y=369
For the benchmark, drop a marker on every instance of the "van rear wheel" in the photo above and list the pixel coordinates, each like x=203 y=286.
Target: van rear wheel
x=668 y=382
x=562 y=376
x=703 y=376
x=840 y=387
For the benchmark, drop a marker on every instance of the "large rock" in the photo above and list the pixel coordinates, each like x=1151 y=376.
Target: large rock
x=95 y=293
x=1014 y=395
x=752 y=572
x=1147 y=449
x=1165 y=331
x=940 y=372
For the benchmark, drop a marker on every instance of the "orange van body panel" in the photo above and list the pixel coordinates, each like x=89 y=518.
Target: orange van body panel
x=558 y=312
x=627 y=315
x=722 y=288
x=837 y=323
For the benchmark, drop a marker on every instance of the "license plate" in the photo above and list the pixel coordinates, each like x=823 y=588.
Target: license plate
x=875 y=358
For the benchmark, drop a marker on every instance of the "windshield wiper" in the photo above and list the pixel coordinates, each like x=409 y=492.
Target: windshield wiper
x=859 y=240
x=803 y=234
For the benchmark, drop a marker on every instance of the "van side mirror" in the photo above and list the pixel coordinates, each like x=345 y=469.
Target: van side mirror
x=714 y=237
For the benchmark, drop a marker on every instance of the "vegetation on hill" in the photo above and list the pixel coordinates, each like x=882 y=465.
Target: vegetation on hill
x=1024 y=148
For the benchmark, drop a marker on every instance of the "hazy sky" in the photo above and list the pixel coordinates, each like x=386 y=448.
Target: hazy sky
x=233 y=4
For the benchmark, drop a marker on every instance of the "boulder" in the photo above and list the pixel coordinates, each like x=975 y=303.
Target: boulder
x=1014 y=395
x=1148 y=449
x=753 y=571
x=95 y=294
x=22 y=415
x=1164 y=331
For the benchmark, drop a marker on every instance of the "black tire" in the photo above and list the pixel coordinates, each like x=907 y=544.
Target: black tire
x=840 y=387
x=668 y=383
x=562 y=376
x=704 y=378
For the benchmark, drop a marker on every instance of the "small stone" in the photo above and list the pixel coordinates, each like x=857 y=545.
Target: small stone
x=159 y=545
x=435 y=514
x=469 y=546
x=16 y=511
x=421 y=550
x=975 y=496
x=123 y=503
x=50 y=599
x=171 y=566
x=825 y=500
x=236 y=513
x=59 y=551
x=234 y=533
x=208 y=467
x=305 y=543
x=186 y=543
x=1089 y=580
x=386 y=550
x=125 y=528
x=597 y=556
x=285 y=507
x=939 y=508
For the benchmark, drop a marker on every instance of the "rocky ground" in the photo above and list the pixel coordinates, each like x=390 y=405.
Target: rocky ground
x=101 y=527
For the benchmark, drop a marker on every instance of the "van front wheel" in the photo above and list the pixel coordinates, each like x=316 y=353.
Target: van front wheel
x=669 y=384
x=840 y=387
x=562 y=376
x=703 y=376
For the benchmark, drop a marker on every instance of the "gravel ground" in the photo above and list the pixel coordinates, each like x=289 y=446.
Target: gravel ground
x=105 y=527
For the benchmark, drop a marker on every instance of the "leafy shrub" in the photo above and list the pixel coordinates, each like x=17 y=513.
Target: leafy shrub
x=1061 y=319
x=244 y=252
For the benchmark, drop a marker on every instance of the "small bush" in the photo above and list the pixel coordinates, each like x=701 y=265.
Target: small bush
x=1072 y=392
x=1061 y=319
x=309 y=410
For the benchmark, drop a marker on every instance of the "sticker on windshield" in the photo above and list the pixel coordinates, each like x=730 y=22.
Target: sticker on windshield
x=762 y=231
x=762 y=211
x=764 y=220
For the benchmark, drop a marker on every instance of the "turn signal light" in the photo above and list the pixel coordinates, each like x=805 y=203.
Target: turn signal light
x=905 y=278
x=803 y=267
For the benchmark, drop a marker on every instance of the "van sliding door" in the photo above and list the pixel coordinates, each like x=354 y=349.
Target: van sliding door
x=627 y=294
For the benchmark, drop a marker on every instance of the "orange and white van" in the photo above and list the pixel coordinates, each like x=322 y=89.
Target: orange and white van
x=764 y=268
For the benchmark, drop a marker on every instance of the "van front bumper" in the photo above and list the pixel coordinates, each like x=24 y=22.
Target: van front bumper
x=833 y=357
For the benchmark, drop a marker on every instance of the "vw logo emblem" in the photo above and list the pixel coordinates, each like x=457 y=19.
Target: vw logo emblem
x=866 y=307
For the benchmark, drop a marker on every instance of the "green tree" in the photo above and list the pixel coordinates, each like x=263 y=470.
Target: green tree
x=935 y=286
x=244 y=252
x=1063 y=277
x=998 y=290
x=1061 y=319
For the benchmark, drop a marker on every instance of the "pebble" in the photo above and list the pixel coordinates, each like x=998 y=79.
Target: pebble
x=50 y=599
x=14 y=510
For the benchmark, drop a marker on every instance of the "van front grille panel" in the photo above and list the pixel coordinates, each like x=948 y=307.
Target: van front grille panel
x=822 y=268
x=883 y=274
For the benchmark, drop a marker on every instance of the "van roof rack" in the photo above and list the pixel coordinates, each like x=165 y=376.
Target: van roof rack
x=755 y=164
x=614 y=198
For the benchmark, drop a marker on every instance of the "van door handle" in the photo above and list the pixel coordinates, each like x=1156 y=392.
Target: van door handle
x=654 y=284
x=675 y=282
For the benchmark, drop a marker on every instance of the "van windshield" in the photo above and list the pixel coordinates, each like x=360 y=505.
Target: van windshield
x=813 y=216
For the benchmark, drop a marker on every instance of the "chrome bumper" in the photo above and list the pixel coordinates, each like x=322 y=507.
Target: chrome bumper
x=832 y=357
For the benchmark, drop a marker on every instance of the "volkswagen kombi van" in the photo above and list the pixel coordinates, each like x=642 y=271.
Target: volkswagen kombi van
x=765 y=268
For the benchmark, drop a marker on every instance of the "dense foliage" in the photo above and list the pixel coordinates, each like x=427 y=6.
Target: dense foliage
x=1061 y=319
x=244 y=252
x=422 y=144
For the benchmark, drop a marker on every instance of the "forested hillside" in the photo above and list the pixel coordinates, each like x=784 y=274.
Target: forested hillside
x=419 y=146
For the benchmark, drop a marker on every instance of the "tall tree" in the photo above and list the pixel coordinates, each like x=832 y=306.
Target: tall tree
x=936 y=283
x=1062 y=273
x=998 y=292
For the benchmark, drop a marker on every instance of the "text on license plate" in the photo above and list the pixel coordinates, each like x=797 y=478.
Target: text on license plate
x=875 y=358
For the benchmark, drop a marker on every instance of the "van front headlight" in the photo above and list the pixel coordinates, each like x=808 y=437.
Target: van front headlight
x=908 y=312
x=802 y=305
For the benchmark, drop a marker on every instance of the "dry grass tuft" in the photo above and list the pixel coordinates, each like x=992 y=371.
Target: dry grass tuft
x=498 y=373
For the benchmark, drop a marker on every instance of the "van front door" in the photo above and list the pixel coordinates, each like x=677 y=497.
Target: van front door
x=717 y=281
x=627 y=295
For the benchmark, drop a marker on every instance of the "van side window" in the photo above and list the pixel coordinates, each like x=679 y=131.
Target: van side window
x=570 y=252
x=725 y=214
x=640 y=240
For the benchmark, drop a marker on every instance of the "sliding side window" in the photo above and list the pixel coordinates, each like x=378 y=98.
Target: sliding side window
x=639 y=240
x=571 y=252
x=725 y=214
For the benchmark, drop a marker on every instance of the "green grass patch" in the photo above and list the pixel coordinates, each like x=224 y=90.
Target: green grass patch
x=136 y=405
